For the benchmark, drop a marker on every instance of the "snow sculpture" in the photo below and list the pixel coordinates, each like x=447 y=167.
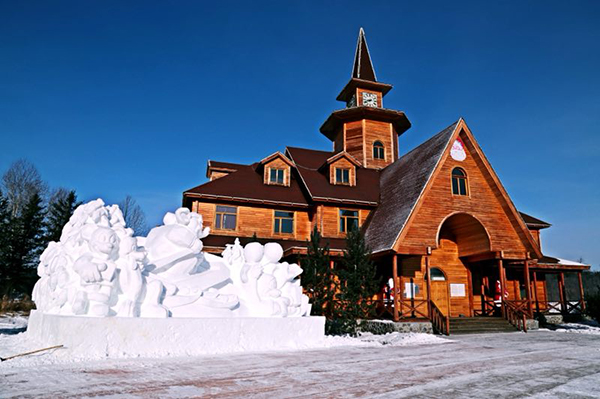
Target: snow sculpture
x=98 y=268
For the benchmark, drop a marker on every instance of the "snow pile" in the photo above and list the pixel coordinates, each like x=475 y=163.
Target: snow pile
x=590 y=327
x=12 y=323
x=390 y=339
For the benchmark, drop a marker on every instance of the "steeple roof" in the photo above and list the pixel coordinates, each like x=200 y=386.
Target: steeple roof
x=363 y=67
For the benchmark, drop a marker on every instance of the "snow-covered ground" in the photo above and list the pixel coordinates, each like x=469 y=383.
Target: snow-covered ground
x=536 y=364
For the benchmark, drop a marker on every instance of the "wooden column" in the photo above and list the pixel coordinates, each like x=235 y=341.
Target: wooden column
x=535 y=293
x=561 y=292
x=395 y=277
x=528 y=288
x=428 y=276
x=502 y=284
x=581 y=295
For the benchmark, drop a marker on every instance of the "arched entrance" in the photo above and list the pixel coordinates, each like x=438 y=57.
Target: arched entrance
x=460 y=236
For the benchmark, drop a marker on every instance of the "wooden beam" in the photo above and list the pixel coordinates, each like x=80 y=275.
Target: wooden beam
x=528 y=288
x=561 y=292
x=535 y=293
x=428 y=275
x=395 y=276
x=502 y=285
x=581 y=295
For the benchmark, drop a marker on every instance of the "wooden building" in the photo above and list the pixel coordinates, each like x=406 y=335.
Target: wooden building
x=439 y=222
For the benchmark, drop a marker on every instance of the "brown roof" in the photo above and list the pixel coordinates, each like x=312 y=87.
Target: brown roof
x=401 y=186
x=397 y=118
x=534 y=223
x=246 y=184
x=316 y=181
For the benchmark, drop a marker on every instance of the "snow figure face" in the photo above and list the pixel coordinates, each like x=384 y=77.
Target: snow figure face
x=127 y=246
x=104 y=241
x=253 y=252
x=273 y=252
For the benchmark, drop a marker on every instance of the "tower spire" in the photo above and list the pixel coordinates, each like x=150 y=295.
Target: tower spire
x=363 y=67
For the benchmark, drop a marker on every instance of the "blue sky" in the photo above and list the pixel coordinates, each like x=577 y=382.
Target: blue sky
x=113 y=98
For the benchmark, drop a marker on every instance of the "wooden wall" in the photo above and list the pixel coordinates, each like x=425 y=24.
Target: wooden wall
x=327 y=220
x=354 y=140
x=483 y=202
x=257 y=220
x=378 y=131
x=215 y=175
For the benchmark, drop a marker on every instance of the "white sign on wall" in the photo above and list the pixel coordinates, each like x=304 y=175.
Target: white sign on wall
x=457 y=290
x=457 y=152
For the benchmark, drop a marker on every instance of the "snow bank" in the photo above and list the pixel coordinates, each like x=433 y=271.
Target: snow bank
x=591 y=327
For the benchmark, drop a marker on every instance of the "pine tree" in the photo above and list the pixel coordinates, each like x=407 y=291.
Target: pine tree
x=318 y=277
x=358 y=282
x=5 y=241
x=59 y=213
x=25 y=242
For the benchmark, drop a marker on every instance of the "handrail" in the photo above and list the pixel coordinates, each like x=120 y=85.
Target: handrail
x=515 y=316
x=488 y=308
x=440 y=323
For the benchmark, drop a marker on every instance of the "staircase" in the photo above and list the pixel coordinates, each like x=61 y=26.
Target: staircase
x=479 y=325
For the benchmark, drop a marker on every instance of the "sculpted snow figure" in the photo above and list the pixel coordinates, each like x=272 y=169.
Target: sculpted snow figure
x=100 y=269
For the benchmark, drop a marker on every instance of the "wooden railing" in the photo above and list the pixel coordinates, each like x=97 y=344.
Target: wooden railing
x=413 y=309
x=440 y=323
x=515 y=315
x=555 y=307
x=488 y=308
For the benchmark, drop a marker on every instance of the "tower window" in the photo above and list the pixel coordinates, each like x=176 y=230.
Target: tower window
x=378 y=150
x=225 y=217
x=277 y=176
x=348 y=220
x=283 y=222
x=459 y=182
x=342 y=176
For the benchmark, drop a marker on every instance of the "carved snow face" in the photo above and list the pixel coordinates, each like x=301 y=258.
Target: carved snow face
x=104 y=241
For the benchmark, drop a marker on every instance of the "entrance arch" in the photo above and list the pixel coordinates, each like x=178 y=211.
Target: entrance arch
x=469 y=234
x=459 y=236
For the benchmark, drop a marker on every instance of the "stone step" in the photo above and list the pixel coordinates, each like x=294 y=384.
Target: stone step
x=475 y=325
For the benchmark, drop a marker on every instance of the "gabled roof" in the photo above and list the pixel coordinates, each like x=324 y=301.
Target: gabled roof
x=402 y=184
x=342 y=154
x=277 y=155
x=363 y=67
x=246 y=185
x=308 y=164
x=534 y=223
x=221 y=166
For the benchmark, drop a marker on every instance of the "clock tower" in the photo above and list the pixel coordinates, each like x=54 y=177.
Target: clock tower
x=365 y=129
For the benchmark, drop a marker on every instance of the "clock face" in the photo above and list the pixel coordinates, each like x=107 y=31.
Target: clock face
x=369 y=99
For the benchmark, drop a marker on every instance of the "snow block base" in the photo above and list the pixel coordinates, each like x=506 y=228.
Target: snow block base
x=127 y=337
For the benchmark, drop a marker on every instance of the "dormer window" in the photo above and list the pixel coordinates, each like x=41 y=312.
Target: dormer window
x=342 y=176
x=378 y=150
x=277 y=176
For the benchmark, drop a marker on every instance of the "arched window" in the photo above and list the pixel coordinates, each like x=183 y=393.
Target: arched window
x=436 y=274
x=459 y=182
x=378 y=150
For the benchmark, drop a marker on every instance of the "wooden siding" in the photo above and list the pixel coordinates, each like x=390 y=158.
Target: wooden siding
x=342 y=163
x=277 y=163
x=536 y=237
x=354 y=140
x=257 y=220
x=328 y=220
x=483 y=202
x=215 y=175
x=378 y=131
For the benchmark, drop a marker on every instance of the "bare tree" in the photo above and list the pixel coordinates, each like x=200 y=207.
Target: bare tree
x=20 y=182
x=134 y=215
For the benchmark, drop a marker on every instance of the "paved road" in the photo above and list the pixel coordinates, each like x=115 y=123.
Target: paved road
x=538 y=364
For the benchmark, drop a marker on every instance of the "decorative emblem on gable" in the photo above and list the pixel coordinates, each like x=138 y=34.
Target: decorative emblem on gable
x=458 y=151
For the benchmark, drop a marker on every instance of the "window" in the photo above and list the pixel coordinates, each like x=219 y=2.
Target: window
x=459 y=182
x=436 y=274
x=283 y=222
x=276 y=176
x=348 y=220
x=342 y=176
x=378 y=150
x=226 y=217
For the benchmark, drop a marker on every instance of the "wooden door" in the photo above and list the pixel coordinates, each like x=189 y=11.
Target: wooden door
x=439 y=296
